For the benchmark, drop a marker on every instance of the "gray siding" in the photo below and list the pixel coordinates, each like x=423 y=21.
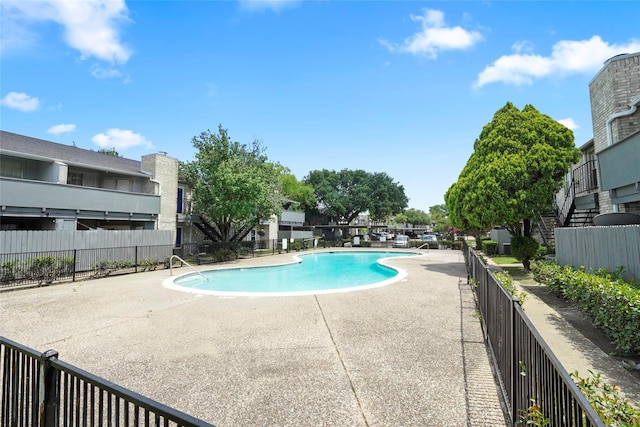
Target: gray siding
x=41 y=241
x=600 y=247
x=47 y=195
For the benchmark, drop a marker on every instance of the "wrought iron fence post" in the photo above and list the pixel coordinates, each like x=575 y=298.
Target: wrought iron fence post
x=75 y=253
x=514 y=375
x=135 y=260
x=49 y=394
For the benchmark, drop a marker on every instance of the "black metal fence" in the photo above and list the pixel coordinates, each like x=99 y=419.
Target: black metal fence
x=40 y=390
x=529 y=372
x=42 y=268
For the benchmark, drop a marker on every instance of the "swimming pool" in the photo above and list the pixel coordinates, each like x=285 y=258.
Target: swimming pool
x=315 y=273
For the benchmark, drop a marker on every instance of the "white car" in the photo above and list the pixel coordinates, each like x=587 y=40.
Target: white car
x=429 y=238
x=401 y=241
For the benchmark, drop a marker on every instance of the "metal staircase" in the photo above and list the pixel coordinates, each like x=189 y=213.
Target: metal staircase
x=207 y=229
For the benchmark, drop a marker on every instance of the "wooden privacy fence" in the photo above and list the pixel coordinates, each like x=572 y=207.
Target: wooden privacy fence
x=609 y=247
x=12 y=242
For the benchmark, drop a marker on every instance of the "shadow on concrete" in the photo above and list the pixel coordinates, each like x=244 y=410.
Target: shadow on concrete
x=453 y=269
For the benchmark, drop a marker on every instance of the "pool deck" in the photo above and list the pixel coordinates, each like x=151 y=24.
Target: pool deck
x=407 y=354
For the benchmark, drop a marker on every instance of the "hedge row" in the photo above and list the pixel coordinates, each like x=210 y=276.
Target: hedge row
x=612 y=304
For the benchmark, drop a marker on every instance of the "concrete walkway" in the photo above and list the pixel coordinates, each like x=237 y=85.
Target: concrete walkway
x=407 y=354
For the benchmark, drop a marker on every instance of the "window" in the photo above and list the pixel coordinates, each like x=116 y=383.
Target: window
x=180 y=197
x=10 y=169
x=178 y=237
x=74 y=178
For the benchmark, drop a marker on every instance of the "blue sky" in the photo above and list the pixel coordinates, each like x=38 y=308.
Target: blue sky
x=402 y=87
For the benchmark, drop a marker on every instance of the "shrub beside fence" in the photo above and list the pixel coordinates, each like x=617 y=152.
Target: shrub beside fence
x=531 y=377
x=44 y=268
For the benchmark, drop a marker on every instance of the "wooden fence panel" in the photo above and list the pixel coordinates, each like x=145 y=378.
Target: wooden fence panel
x=600 y=247
x=14 y=241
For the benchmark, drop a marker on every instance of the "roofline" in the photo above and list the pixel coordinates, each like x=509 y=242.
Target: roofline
x=612 y=59
x=586 y=144
x=23 y=155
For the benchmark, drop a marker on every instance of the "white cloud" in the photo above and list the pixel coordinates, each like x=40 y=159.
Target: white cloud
x=569 y=123
x=120 y=139
x=261 y=5
x=20 y=101
x=567 y=57
x=90 y=26
x=108 y=73
x=61 y=128
x=434 y=36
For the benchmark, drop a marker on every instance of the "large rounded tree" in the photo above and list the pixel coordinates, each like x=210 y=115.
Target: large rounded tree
x=234 y=185
x=343 y=195
x=518 y=164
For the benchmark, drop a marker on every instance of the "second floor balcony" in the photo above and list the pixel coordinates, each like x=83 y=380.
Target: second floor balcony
x=26 y=196
x=619 y=167
x=585 y=178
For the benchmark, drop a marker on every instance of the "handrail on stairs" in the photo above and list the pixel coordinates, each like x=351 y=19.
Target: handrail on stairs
x=544 y=231
x=183 y=261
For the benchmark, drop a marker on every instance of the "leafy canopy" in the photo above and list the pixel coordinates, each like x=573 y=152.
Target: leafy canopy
x=343 y=195
x=299 y=192
x=234 y=185
x=518 y=164
x=413 y=216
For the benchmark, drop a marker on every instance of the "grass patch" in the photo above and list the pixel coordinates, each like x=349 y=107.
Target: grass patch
x=505 y=260
x=518 y=273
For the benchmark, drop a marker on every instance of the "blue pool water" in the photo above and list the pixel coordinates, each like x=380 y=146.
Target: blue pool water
x=321 y=272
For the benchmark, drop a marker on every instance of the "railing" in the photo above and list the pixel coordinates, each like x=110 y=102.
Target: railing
x=528 y=370
x=184 y=262
x=585 y=178
x=563 y=213
x=43 y=268
x=40 y=390
x=545 y=233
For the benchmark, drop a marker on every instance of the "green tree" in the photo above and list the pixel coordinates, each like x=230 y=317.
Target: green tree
x=234 y=185
x=518 y=164
x=413 y=216
x=108 y=151
x=440 y=217
x=343 y=195
x=299 y=192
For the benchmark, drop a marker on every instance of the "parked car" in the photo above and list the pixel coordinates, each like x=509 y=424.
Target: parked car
x=401 y=241
x=429 y=238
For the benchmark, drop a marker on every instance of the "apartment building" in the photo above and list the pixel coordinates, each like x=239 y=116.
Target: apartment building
x=49 y=186
x=607 y=179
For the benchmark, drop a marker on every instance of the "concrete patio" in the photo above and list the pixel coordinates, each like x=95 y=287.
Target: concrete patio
x=408 y=354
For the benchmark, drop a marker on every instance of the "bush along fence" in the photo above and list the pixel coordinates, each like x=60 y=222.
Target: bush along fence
x=611 y=302
x=38 y=389
x=44 y=268
x=537 y=388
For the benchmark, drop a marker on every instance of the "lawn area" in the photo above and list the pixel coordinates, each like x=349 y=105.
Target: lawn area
x=516 y=271
x=501 y=260
x=519 y=274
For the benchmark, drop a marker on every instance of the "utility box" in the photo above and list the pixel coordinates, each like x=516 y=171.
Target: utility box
x=506 y=249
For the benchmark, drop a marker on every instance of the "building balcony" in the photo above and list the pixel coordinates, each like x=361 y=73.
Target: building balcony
x=294 y=219
x=35 y=198
x=619 y=170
